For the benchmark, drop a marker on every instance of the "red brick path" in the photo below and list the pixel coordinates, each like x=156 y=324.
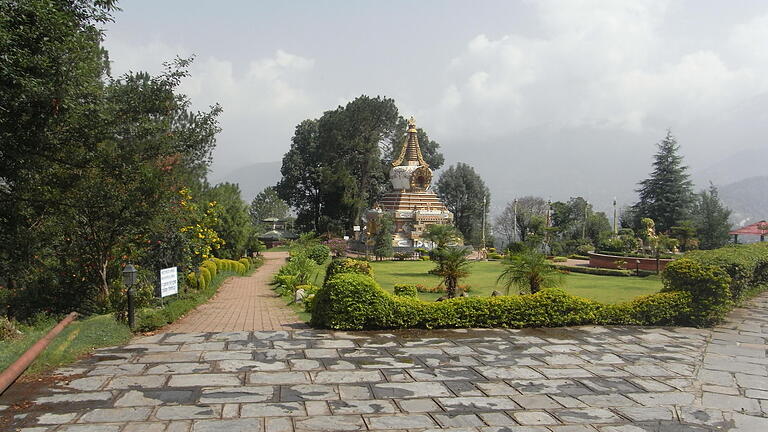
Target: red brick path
x=243 y=304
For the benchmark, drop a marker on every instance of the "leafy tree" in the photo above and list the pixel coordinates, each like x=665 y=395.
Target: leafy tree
x=452 y=265
x=267 y=204
x=442 y=235
x=522 y=218
x=382 y=246
x=712 y=219
x=301 y=182
x=234 y=223
x=530 y=272
x=667 y=195
x=429 y=149
x=466 y=196
x=685 y=234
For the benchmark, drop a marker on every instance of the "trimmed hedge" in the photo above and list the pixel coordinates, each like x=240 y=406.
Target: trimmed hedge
x=404 y=290
x=746 y=265
x=347 y=265
x=596 y=270
x=351 y=301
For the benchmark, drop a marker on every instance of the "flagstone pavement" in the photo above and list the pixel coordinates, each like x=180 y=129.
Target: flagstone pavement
x=607 y=379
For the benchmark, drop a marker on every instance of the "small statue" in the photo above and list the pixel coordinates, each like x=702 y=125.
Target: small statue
x=299 y=295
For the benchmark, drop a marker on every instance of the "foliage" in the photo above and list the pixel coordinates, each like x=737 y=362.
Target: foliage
x=667 y=195
x=356 y=302
x=233 y=224
x=746 y=266
x=267 y=204
x=318 y=253
x=711 y=219
x=442 y=235
x=382 y=247
x=301 y=267
x=198 y=226
x=575 y=222
x=522 y=218
x=405 y=290
x=8 y=330
x=466 y=196
x=529 y=272
x=685 y=236
x=452 y=264
x=707 y=285
x=347 y=265
x=596 y=271
x=337 y=246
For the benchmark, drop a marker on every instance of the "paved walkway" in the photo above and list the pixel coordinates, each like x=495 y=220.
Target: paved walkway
x=243 y=304
x=615 y=379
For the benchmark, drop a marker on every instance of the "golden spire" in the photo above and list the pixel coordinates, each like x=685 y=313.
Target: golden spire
x=410 y=153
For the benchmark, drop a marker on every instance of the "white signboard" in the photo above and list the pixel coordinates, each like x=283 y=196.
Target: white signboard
x=356 y=228
x=346 y=237
x=169 y=282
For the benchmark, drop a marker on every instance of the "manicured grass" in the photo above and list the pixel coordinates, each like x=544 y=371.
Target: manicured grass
x=79 y=338
x=483 y=274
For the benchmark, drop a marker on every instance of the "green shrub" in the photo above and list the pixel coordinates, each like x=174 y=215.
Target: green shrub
x=192 y=280
x=559 y=259
x=401 y=256
x=708 y=286
x=579 y=257
x=406 y=290
x=596 y=270
x=496 y=256
x=318 y=253
x=351 y=301
x=212 y=268
x=201 y=283
x=747 y=266
x=205 y=272
x=246 y=263
x=347 y=265
x=585 y=249
x=425 y=258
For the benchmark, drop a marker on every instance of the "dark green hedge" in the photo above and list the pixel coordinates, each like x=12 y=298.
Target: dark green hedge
x=354 y=302
x=595 y=270
x=699 y=289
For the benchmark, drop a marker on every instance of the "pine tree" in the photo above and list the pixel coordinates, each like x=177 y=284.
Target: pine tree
x=667 y=196
x=711 y=221
x=382 y=247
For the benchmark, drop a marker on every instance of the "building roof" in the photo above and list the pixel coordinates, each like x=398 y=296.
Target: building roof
x=759 y=228
x=410 y=153
x=271 y=235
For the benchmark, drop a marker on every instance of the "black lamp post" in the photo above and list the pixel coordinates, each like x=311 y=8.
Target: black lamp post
x=637 y=267
x=129 y=279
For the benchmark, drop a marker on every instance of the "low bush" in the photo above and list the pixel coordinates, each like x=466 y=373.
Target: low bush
x=406 y=290
x=708 y=286
x=559 y=259
x=351 y=301
x=318 y=253
x=425 y=258
x=401 y=256
x=595 y=270
x=347 y=265
x=495 y=256
x=8 y=330
x=578 y=257
x=746 y=265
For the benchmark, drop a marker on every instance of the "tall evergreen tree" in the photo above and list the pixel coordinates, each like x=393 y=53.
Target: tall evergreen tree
x=465 y=194
x=667 y=195
x=711 y=219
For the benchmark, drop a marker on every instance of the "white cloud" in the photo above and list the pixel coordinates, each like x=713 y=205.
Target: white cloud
x=596 y=64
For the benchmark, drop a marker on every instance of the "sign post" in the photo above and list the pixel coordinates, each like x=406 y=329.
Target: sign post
x=169 y=281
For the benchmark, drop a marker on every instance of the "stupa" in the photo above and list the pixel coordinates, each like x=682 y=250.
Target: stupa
x=412 y=204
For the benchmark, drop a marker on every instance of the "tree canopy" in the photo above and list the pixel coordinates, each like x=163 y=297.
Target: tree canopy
x=466 y=196
x=667 y=195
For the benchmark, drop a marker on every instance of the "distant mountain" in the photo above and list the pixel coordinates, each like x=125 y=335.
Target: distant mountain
x=252 y=178
x=742 y=165
x=747 y=199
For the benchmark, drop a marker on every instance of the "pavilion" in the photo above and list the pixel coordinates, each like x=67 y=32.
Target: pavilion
x=758 y=229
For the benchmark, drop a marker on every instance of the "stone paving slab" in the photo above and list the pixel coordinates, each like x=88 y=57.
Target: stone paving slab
x=596 y=379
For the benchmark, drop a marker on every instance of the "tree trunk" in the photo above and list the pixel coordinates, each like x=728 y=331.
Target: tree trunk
x=450 y=286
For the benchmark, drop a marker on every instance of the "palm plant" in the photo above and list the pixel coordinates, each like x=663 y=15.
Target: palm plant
x=452 y=265
x=530 y=272
x=442 y=235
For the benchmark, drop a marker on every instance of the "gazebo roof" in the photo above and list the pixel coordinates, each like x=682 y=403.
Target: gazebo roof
x=271 y=235
x=759 y=228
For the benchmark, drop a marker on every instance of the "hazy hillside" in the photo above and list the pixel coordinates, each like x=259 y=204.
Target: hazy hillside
x=748 y=199
x=252 y=178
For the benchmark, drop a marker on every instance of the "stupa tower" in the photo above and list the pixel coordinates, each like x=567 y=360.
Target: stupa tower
x=411 y=203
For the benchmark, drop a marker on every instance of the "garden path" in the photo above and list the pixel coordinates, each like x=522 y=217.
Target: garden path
x=243 y=304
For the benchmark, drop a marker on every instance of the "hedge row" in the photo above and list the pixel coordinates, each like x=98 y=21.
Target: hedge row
x=595 y=270
x=210 y=268
x=699 y=289
x=350 y=301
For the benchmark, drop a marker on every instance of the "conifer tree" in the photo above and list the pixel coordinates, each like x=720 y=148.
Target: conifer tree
x=711 y=220
x=667 y=196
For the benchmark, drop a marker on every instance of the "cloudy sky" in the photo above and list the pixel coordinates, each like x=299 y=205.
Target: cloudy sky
x=556 y=98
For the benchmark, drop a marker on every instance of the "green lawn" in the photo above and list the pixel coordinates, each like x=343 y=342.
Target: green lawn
x=482 y=280
x=77 y=339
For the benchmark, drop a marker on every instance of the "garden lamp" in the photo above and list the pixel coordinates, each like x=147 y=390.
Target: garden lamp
x=637 y=267
x=129 y=279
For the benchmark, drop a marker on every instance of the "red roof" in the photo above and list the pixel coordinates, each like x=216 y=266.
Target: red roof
x=759 y=228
